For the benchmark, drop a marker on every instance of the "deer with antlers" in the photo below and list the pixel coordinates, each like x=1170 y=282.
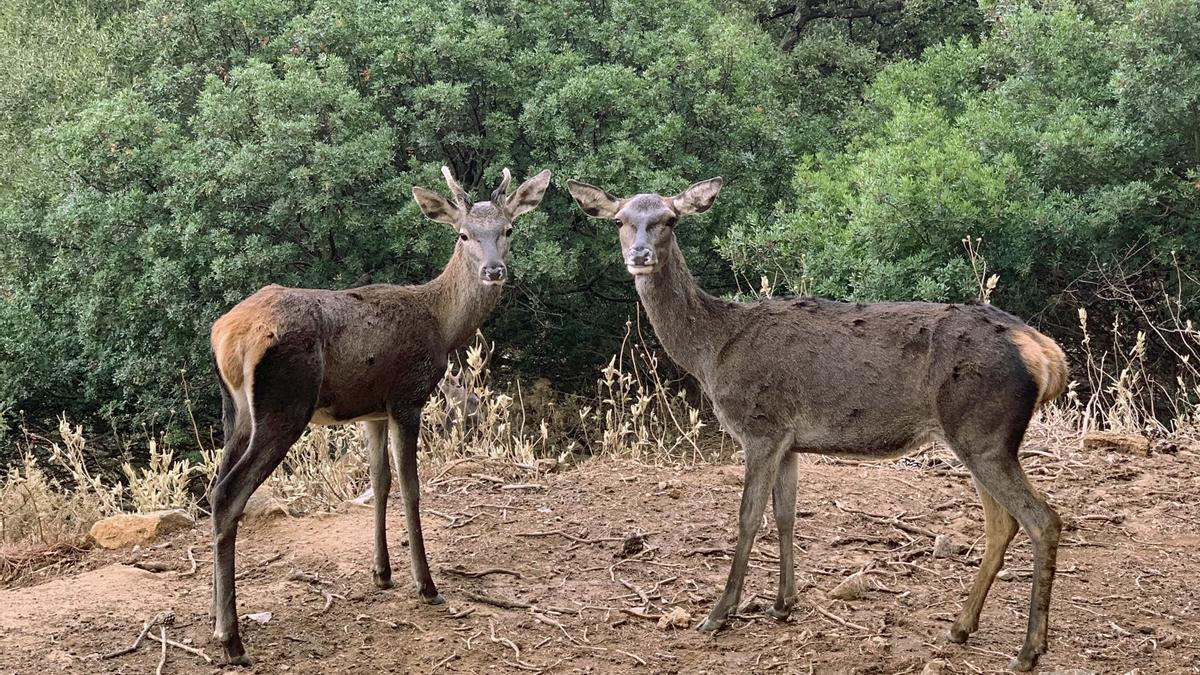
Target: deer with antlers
x=290 y=356
x=870 y=381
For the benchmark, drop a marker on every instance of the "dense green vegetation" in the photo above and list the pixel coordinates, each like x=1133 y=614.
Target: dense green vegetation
x=161 y=160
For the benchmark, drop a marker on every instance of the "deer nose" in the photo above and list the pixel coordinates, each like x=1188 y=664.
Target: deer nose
x=492 y=273
x=641 y=257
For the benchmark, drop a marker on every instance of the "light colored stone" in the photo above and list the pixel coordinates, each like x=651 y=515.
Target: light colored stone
x=263 y=507
x=676 y=617
x=1130 y=444
x=943 y=546
x=936 y=667
x=129 y=529
x=851 y=588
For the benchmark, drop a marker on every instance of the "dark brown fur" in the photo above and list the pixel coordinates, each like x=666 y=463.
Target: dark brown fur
x=290 y=356
x=872 y=381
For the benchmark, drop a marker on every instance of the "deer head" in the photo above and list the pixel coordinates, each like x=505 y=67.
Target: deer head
x=646 y=221
x=484 y=228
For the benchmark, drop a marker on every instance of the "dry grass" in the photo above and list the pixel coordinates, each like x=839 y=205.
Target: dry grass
x=634 y=413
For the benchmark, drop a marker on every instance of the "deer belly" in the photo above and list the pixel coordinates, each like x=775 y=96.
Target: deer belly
x=329 y=417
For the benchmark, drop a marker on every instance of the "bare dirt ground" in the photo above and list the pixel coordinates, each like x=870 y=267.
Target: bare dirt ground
x=1125 y=597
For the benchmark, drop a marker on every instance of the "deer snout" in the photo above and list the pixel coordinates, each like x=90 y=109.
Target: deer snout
x=493 y=274
x=641 y=256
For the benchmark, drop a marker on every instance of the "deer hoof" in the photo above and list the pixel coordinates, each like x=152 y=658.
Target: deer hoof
x=779 y=614
x=1026 y=659
x=710 y=625
x=958 y=635
x=437 y=599
x=382 y=579
x=235 y=654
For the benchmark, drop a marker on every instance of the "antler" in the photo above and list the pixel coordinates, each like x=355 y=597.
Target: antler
x=460 y=195
x=500 y=192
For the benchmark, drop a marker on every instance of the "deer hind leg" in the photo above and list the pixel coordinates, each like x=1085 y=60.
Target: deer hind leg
x=237 y=428
x=284 y=395
x=784 y=503
x=1000 y=527
x=381 y=486
x=406 y=427
x=998 y=471
x=762 y=464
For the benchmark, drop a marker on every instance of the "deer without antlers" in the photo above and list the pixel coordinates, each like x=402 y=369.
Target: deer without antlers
x=290 y=356
x=871 y=381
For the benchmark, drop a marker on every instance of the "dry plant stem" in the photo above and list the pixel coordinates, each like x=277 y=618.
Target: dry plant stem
x=893 y=521
x=641 y=614
x=259 y=566
x=480 y=573
x=191 y=554
x=146 y=626
x=177 y=645
x=502 y=603
x=162 y=657
x=580 y=540
x=837 y=619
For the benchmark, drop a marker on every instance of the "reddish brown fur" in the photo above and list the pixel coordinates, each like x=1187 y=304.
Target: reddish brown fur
x=1045 y=361
x=244 y=334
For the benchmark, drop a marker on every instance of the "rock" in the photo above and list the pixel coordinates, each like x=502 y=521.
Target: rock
x=851 y=588
x=263 y=507
x=129 y=529
x=876 y=645
x=1006 y=575
x=259 y=617
x=935 y=667
x=1130 y=444
x=676 y=617
x=943 y=546
x=633 y=544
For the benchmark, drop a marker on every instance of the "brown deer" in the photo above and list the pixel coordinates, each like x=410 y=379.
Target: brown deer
x=870 y=381
x=290 y=356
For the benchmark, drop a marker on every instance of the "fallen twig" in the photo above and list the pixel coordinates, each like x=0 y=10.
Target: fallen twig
x=503 y=603
x=192 y=558
x=389 y=624
x=640 y=614
x=458 y=571
x=834 y=617
x=566 y=535
x=258 y=566
x=149 y=623
x=179 y=645
x=162 y=657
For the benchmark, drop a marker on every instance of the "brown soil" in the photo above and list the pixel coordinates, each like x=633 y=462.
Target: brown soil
x=1124 y=597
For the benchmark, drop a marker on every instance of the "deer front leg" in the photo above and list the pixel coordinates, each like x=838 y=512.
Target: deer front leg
x=406 y=427
x=762 y=462
x=784 y=501
x=381 y=484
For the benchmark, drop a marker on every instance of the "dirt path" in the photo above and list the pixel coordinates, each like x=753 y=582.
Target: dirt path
x=1125 y=596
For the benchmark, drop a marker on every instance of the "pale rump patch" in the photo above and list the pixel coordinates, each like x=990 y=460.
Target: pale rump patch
x=1045 y=361
x=240 y=338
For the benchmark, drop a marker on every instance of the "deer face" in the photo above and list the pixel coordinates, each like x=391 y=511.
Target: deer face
x=646 y=222
x=484 y=229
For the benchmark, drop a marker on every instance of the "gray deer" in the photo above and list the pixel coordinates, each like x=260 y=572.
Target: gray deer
x=869 y=381
x=290 y=356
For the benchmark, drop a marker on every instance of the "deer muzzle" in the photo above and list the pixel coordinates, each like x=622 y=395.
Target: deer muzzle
x=641 y=260
x=493 y=274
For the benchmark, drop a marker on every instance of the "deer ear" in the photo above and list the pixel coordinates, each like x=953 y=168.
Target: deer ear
x=529 y=195
x=698 y=198
x=595 y=202
x=435 y=206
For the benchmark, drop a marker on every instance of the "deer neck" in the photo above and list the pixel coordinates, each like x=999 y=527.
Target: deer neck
x=460 y=303
x=686 y=320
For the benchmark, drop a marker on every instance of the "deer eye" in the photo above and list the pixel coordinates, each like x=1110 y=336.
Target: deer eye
x=508 y=232
x=617 y=222
x=462 y=235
